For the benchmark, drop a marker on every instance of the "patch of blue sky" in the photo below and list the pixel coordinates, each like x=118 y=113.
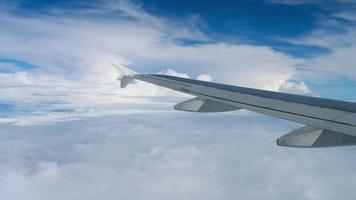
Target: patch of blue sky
x=243 y=16
x=19 y=64
x=298 y=51
x=191 y=42
x=14 y=109
x=341 y=89
x=62 y=110
x=6 y=108
x=250 y=22
x=43 y=5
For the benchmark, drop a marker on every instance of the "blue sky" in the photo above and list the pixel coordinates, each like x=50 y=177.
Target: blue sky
x=67 y=131
x=259 y=22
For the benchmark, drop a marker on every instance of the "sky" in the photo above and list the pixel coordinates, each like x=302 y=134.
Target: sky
x=67 y=131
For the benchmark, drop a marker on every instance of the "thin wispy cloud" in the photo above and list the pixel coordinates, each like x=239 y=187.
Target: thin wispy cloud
x=336 y=33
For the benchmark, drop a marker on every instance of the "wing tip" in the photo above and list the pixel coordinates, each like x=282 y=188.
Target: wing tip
x=124 y=71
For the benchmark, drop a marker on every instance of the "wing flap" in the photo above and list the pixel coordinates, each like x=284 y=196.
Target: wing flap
x=312 y=137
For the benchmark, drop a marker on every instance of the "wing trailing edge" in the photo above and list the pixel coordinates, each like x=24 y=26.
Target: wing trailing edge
x=204 y=105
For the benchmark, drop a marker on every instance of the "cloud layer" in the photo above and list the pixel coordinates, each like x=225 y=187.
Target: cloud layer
x=168 y=156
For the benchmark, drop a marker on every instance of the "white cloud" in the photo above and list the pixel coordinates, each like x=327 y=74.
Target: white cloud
x=172 y=72
x=204 y=77
x=295 y=88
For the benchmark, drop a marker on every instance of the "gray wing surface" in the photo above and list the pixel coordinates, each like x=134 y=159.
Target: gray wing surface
x=327 y=122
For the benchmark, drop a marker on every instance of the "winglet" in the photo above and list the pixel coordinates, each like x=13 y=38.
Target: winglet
x=124 y=81
x=126 y=75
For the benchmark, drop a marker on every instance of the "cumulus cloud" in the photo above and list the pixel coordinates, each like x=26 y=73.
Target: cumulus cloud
x=84 y=46
x=34 y=99
x=295 y=88
x=234 y=64
x=204 y=77
x=172 y=72
x=70 y=58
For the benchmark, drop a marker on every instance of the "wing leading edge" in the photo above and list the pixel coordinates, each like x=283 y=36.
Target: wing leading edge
x=329 y=122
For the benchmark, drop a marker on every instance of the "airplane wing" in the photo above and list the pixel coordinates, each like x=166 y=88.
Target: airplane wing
x=327 y=122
